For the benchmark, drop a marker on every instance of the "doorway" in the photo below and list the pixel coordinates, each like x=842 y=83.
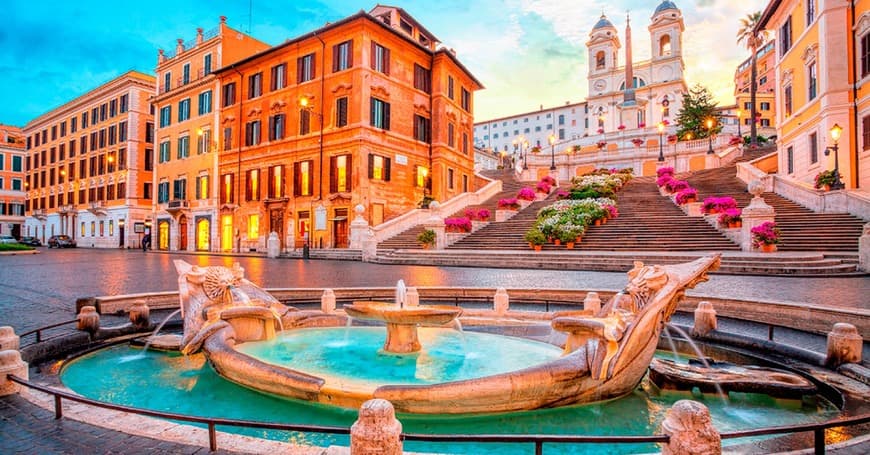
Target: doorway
x=163 y=235
x=276 y=224
x=182 y=233
x=339 y=228
x=203 y=231
x=227 y=232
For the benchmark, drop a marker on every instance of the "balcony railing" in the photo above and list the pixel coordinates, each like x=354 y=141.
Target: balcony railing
x=177 y=205
x=38 y=214
x=68 y=208
x=97 y=207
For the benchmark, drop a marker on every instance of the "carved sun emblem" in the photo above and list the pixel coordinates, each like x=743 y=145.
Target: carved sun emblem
x=217 y=283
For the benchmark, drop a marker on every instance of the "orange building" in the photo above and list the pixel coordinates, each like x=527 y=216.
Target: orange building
x=765 y=95
x=367 y=110
x=185 y=204
x=11 y=180
x=88 y=167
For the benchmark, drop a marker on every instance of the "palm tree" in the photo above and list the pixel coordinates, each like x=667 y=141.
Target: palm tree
x=752 y=38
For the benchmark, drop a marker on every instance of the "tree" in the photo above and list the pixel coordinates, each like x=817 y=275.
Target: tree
x=698 y=107
x=752 y=38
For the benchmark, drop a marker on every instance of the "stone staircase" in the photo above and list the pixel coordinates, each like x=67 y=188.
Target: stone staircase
x=802 y=229
x=510 y=186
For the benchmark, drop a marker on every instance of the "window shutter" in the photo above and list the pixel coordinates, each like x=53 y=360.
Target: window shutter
x=372 y=55
x=386 y=61
x=335 y=53
x=386 y=169
x=371 y=166
x=281 y=191
x=349 y=172
x=387 y=116
x=297 y=178
x=313 y=66
x=299 y=70
x=350 y=54
x=333 y=175
x=311 y=178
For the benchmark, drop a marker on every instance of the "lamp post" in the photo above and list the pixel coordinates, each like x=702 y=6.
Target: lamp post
x=305 y=104
x=661 y=145
x=836 y=131
x=739 y=114
x=552 y=140
x=524 y=147
x=710 y=136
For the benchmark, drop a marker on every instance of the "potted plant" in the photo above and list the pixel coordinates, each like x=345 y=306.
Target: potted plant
x=620 y=127
x=543 y=187
x=567 y=236
x=576 y=148
x=600 y=130
x=686 y=195
x=458 y=224
x=509 y=204
x=731 y=218
x=536 y=150
x=766 y=236
x=665 y=170
x=427 y=238
x=637 y=142
x=641 y=125
x=535 y=238
x=601 y=144
x=526 y=194
x=825 y=179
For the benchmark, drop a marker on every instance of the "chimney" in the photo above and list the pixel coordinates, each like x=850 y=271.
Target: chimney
x=199 y=35
x=223 y=19
x=179 y=48
x=161 y=57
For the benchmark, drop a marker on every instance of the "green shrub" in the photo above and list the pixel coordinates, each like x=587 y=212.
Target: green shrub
x=427 y=237
x=535 y=237
x=14 y=247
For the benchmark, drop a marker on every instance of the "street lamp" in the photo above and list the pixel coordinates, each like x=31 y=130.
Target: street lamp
x=710 y=135
x=552 y=139
x=524 y=147
x=739 y=114
x=306 y=105
x=661 y=145
x=836 y=131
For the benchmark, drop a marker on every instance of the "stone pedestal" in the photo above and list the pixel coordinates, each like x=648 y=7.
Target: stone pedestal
x=359 y=229
x=376 y=431
x=327 y=301
x=412 y=297
x=11 y=363
x=140 y=315
x=754 y=214
x=844 y=345
x=705 y=319
x=370 y=249
x=88 y=320
x=864 y=249
x=592 y=302
x=8 y=339
x=504 y=215
x=501 y=301
x=436 y=223
x=691 y=429
x=694 y=208
x=273 y=245
x=524 y=203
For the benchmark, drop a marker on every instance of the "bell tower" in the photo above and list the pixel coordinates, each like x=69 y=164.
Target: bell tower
x=666 y=37
x=602 y=46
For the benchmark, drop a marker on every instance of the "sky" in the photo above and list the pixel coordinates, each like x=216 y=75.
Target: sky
x=526 y=53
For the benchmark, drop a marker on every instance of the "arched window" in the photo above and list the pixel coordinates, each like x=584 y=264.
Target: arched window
x=599 y=60
x=665 y=45
x=638 y=82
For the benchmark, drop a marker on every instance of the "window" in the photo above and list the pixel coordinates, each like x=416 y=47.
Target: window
x=811 y=12
x=561 y=119
x=449 y=179
x=276 y=182
x=379 y=168
x=279 y=77
x=421 y=129
x=113 y=132
x=255 y=85
x=227 y=190
x=165 y=116
x=123 y=102
x=865 y=55
x=341 y=112
x=102 y=138
x=420 y=173
x=340 y=174
x=253 y=227
x=202 y=187
x=865 y=129
x=303 y=184
x=206 y=64
x=122 y=132
x=103 y=112
x=276 y=127
x=537 y=129
x=785 y=37
x=16 y=164
x=149 y=159
x=464 y=143
x=451 y=135
x=162 y=192
x=164 y=152
x=167 y=82
x=786 y=101
x=229 y=94
x=450 y=87
x=113 y=110
x=380 y=58
x=466 y=100
x=600 y=60
x=789 y=159
x=305 y=69
x=342 y=56
x=814 y=148
x=561 y=134
x=252 y=133
x=422 y=79
x=122 y=159
x=464 y=183
x=304 y=121
x=63 y=128
x=16 y=185
x=185 y=73
x=204 y=103
x=252 y=185
x=149 y=133
x=665 y=46
x=380 y=114
x=183 y=147
x=228 y=138
x=179 y=189
x=812 y=83
x=765 y=106
x=203 y=142
x=73 y=126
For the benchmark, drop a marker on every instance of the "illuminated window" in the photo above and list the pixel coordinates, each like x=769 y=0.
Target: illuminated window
x=303 y=185
x=276 y=182
x=227 y=232
x=93 y=228
x=252 y=185
x=421 y=173
x=111 y=228
x=253 y=227
x=227 y=189
x=340 y=174
x=202 y=187
x=379 y=168
x=665 y=46
x=83 y=229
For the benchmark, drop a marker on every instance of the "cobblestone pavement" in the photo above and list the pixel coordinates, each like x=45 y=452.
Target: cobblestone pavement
x=36 y=290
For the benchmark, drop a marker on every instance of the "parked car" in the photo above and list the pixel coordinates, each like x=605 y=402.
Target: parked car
x=7 y=239
x=32 y=241
x=61 y=241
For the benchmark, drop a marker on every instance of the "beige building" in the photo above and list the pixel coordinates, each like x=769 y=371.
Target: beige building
x=11 y=181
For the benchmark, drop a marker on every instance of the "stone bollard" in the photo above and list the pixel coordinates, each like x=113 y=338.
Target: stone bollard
x=412 y=297
x=592 y=302
x=8 y=339
x=844 y=345
x=140 y=315
x=11 y=363
x=82 y=302
x=327 y=301
x=705 y=319
x=501 y=301
x=754 y=214
x=89 y=320
x=691 y=429
x=376 y=431
x=273 y=245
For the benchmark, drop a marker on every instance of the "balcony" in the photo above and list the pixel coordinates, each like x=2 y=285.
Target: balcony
x=177 y=205
x=97 y=208
x=39 y=214
x=66 y=209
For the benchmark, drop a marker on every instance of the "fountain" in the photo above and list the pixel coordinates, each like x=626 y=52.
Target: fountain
x=607 y=355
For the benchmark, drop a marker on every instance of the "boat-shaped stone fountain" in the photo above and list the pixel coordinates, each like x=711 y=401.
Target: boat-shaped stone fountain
x=606 y=354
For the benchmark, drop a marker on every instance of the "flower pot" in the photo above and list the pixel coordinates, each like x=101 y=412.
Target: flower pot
x=426 y=246
x=538 y=247
x=557 y=242
x=826 y=187
x=735 y=224
x=598 y=222
x=570 y=245
x=713 y=211
x=767 y=247
x=577 y=240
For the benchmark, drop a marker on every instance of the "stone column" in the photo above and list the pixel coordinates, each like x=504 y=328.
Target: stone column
x=864 y=249
x=358 y=229
x=140 y=315
x=8 y=339
x=273 y=245
x=327 y=301
x=691 y=429
x=844 y=345
x=376 y=431
x=754 y=214
x=501 y=301
x=436 y=223
x=705 y=319
x=11 y=363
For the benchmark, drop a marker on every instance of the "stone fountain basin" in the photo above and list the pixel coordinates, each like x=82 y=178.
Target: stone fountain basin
x=394 y=314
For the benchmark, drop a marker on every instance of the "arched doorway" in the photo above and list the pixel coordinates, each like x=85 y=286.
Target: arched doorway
x=163 y=235
x=182 y=233
x=203 y=231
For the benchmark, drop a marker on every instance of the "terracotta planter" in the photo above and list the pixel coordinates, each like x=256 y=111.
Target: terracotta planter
x=577 y=240
x=713 y=212
x=735 y=224
x=557 y=242
x=537 y=247
x=426 y=246
x=598 y=222
x=570 y=245
x=767 y=248
x=826 y=187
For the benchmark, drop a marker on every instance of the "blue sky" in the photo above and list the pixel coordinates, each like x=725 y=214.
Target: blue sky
x=526 y=52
